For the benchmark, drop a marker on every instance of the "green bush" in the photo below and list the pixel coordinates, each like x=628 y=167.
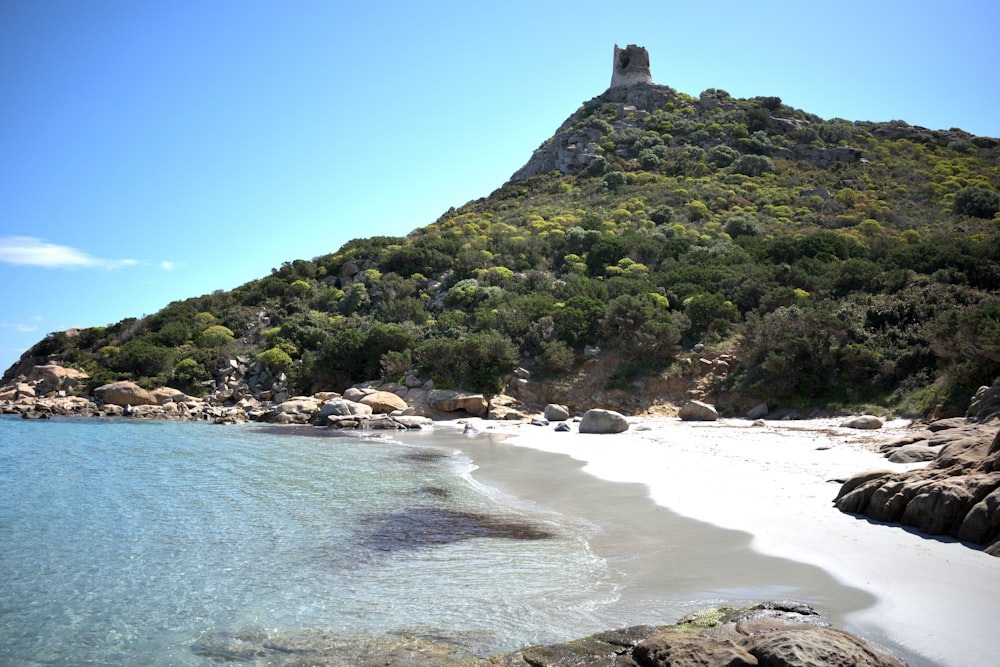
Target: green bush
x=614 y=180
x=216 y=336
x=976 y=201
x=276 y=359
x=753 y=165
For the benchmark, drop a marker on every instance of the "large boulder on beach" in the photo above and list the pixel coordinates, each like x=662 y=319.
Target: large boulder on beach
x=603 y=421
x=698 y=411
x=957 y=494
x=863 y=422
x=555 y=412
x=124 y=393
x=383 y=402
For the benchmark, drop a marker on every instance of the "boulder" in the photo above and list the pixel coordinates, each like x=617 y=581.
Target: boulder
x=698 y=411
x=556 y=413
x=449 y=400
x=382 y=402
x=913 y=453
x=675 y=648
x=603 y=421
x=341 y=407
x=758 y=411
x=296 y=410
x=985 y=404
x=124 y=393
x=168 y=395
x=503 y=407
x=810 y=646
x=863 y=422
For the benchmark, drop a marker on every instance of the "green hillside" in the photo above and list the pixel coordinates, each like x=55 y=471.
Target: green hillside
x=840 y=263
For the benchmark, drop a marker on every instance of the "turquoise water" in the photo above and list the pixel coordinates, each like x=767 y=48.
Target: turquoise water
x=160 y=543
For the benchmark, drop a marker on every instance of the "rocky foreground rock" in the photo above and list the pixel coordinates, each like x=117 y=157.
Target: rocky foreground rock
x=956 y=494
x=770 y=634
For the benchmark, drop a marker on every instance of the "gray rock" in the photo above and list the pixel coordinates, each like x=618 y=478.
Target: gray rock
x=556 y=413
x=563 y=427
x=603 y=421
x=863 y=422
x=758 y=411
x=698 y=411
x=913 y=454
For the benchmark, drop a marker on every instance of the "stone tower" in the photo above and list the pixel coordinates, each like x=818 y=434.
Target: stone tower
x=631 y=66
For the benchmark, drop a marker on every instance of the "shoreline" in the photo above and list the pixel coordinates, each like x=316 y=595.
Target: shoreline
x=930 y=599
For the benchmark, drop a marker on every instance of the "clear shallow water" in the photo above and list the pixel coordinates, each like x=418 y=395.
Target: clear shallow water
x=157 y=543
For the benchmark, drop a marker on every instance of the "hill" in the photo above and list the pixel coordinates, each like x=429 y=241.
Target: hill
x=658 y=244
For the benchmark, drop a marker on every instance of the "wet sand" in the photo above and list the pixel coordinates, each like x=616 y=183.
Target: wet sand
x=698 y=514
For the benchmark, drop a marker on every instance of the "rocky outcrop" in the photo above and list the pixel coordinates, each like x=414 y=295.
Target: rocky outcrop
x=603 y=421
x=776 y=634
x=956 y=494
x=779 y=634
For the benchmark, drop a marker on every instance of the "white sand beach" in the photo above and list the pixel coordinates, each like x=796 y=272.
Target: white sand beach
x=936 y=598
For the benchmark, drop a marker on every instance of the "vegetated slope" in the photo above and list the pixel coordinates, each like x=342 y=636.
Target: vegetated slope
x=841 y=262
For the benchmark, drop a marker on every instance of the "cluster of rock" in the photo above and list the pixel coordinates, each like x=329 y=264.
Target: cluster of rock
x=770 y=634
x=956 y=494
x=247 y=392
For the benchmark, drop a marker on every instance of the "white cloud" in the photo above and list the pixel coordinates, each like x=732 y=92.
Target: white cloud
x=17 y=326
x=29 y=251
x=167 y=265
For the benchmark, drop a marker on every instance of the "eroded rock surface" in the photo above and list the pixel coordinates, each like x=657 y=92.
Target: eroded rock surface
x=955 y=495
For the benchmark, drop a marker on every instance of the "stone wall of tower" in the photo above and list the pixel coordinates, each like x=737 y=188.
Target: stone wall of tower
x=631 y=66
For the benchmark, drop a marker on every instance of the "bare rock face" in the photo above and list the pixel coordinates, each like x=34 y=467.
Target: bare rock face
x=815 y=646
x=631 y=66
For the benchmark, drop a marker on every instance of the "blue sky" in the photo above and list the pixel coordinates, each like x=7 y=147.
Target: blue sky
x=156 y=150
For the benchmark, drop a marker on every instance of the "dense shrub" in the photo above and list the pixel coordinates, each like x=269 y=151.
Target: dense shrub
x=976 y=201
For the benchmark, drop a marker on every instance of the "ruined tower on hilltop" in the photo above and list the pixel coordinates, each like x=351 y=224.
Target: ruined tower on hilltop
x=631 y=66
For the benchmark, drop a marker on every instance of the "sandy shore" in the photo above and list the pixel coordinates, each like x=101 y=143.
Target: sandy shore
x=933 y=600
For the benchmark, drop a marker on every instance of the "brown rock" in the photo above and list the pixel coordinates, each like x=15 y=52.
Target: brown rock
x=383 y=402
x=53 y=377
x=680 y=649
x=815 y=646
x=957 y=494
x=448 y=400
x=124 y=393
